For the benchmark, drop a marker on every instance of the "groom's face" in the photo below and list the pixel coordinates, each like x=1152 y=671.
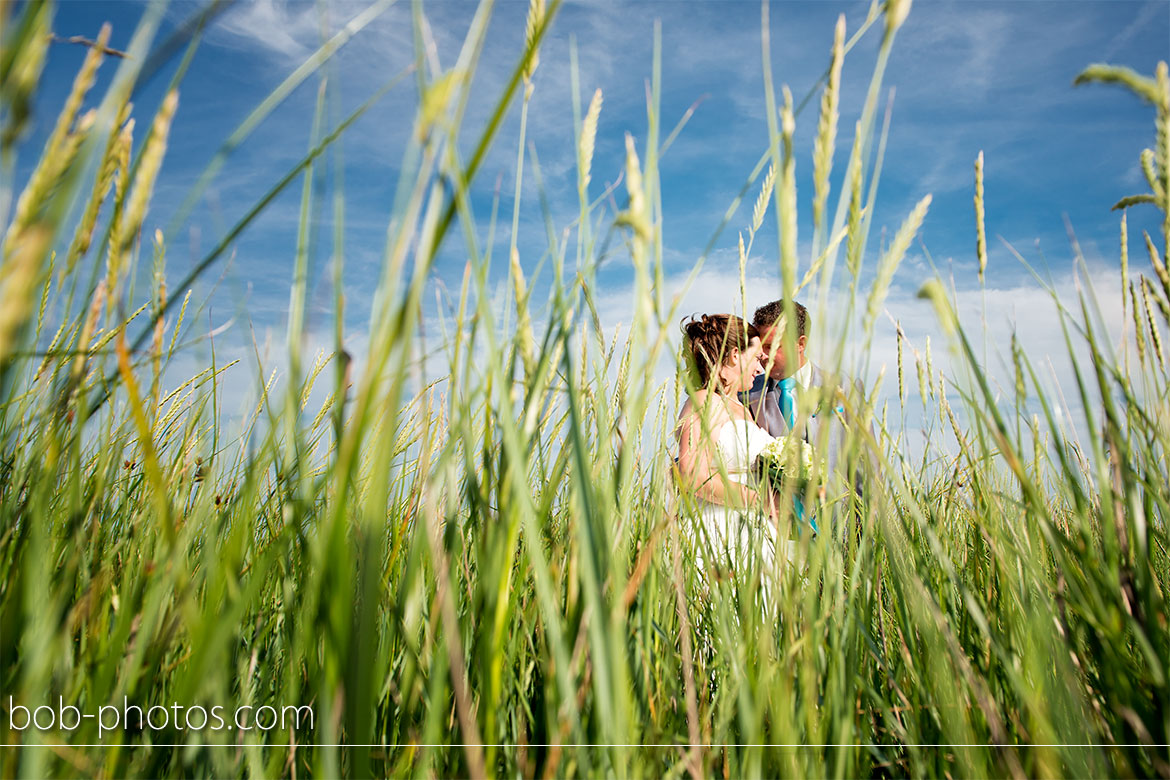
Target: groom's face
x=772 y=353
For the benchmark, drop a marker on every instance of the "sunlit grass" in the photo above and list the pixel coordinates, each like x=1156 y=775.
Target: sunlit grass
x=495 y=574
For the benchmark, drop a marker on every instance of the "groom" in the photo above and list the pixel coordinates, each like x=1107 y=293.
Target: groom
x=793 y=394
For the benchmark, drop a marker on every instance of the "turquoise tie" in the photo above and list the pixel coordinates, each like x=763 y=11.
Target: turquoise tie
x=788 y=411
x=788 y=400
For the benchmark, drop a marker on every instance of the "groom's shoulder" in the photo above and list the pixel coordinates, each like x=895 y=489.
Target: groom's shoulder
x=840 y=381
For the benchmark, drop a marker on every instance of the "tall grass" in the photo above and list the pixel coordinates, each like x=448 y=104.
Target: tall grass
x=496 y=574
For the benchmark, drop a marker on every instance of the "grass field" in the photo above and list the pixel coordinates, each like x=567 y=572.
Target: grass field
x=493 y=575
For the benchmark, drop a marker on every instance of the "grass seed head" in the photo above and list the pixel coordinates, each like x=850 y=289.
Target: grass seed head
x=1147 y=159
x=435 y=99
x=148 y=167
x=20 y=276
x=826 y=139
x=1142 y=86
x=1149 y=291
x=763 y=199
x=23 y=71
x=901 y=372
x=108 y=166
x=85 y=345
x=786 y=202
x=1018 y=369
x=536 y=14
x=1124 y=261
x=929 y=364
x=82 y=83
x=1162 y=126
x=588 y=140
x=525 y=340
x=896 y=13
x=920 y=368
x=855 y=238
x=888 y=265
x=121 y=185
x=61 y=148
x=634 y=216
x=1138 y=326
x=955 y=428
x=1158 y=264
x=1155 y=333
x=980 y=231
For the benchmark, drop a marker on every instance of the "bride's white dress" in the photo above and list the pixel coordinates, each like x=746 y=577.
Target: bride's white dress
x=731 y=534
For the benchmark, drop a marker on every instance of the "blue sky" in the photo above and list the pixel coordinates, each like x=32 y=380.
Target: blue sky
x=967 y=76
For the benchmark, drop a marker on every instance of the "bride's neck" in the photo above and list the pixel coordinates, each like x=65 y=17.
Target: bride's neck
x=726 y=401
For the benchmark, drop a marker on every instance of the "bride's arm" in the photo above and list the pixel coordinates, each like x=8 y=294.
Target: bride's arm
x=701 y=475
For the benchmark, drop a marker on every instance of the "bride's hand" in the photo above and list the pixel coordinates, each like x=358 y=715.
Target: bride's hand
x=773 y=507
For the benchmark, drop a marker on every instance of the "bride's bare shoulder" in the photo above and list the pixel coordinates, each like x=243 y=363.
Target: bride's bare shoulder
x=698 y=404
x=695 y=401
x=703 y=409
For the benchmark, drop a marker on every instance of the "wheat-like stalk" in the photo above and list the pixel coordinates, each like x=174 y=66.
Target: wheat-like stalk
x=1159 y=265
x=107 y=168
x=179 y=323
x=319 y=362
x=1162 y=152
x=1151 y=174
x=929 y=364
x=60 y=148
x=525 y=338
x=148 y=167
x=1124 y=262
x=980 y=230
x=900 y=337
x=786 y=202
x=762 y=200
x=742 y=257
x=891 y=259
x=853 y=225
x=513 y=559
x=827 y=125
x=536 y=14
x=955 y=428
x=323 y=411
x=896 y=13
x=1138 y=325
x=1155 y=334
x=634 y=215
x=18 y=282
x=24 y=60
x=920 y=368
x=1018 y=369
x=108 y=336
x=588 y=140
x=1149 y=290
x=121 y=186
x=87 y=334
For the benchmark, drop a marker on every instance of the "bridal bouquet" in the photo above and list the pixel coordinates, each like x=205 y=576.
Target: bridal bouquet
x=786 y=459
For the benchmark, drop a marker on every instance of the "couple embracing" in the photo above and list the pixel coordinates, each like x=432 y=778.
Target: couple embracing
x=755 y=384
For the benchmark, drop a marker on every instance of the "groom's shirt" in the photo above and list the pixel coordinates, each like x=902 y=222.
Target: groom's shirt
x=763 y=400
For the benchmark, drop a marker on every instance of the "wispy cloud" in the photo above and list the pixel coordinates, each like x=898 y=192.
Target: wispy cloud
x=969 y=76
x=286 y=29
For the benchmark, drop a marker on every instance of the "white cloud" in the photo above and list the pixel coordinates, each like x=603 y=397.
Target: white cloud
x=287 y=29
x=978 y=50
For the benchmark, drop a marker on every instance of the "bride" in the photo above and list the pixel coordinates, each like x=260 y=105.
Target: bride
x=718 y=441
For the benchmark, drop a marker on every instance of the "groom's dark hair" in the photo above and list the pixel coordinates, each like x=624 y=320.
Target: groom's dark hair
x=767 y=315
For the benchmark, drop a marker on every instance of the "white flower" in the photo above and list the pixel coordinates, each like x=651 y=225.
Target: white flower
x=790 y=457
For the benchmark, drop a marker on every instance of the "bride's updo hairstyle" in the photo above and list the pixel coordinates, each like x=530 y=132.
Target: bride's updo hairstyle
x=710 y=340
